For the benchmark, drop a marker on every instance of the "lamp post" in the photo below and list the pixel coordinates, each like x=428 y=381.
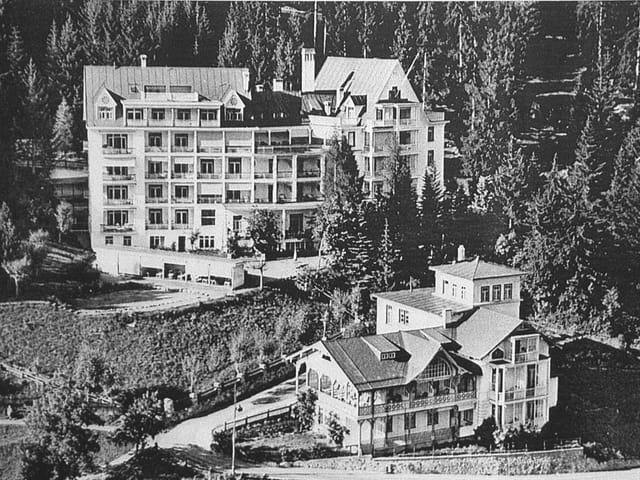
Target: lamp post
x=236 y=409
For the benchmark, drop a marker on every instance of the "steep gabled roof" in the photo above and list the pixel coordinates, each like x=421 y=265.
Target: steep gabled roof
x=368 y=75
x=423 y=299
x=476 y=269
x=483 y=330
x=209 y=82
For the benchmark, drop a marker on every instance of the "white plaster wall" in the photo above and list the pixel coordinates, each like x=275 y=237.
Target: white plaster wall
x=417 y=318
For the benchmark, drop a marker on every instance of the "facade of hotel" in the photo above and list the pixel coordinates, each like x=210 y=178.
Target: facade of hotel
x=179 y=157
x=442 y=361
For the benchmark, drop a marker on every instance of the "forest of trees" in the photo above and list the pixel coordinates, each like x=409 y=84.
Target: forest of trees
x=567 y=216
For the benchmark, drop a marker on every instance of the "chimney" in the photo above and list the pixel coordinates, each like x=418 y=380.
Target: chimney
x=462 y=255
x=327 y=107
x=245 y=79
x=308 y=79
x=143 y=61
x=278 y=85
x=447 y=315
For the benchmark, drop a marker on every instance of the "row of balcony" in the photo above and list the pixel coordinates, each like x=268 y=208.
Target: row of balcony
x=310 y=173
x=218 y=198
x=165 y=226
x=517 y=394
x=417 y=403
x=259 y=149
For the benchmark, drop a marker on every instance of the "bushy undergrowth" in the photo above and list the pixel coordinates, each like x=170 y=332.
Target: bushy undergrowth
x=148 y=350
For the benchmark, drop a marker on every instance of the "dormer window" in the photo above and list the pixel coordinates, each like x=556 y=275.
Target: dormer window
x=105 y=113
x=134 y=114
x=463 y=292
x=484 y=293
x=180 y=88
x=133 y=88
x=394 y=93
x=388 y=356
x=235 y=114
x=454 y=290
x=155 y=88
x=445 y=285
x=351 y=112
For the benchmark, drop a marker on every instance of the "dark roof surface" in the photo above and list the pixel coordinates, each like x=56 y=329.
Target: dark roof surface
x=476 y=269
x=423 y=299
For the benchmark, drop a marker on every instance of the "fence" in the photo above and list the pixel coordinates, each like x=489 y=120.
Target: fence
x=273 y=414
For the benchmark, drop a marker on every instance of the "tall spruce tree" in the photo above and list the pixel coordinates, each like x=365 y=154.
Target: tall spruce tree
x=431 y=218
x=62 y=128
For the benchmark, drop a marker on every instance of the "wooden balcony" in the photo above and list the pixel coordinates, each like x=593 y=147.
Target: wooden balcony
x=518 y=394
x=422 y=403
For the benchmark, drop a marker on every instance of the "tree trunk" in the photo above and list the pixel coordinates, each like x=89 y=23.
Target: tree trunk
x=637 y=79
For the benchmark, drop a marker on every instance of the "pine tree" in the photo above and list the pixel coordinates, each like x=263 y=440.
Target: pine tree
x=388 y=260
x=403 y=42
x=230 y=51
x=62 y=133
x=36 y=119
x=431 y=213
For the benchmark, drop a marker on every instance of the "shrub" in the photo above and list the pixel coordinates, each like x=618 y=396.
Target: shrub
x=221 y=441
x=485 y=433
x=337 y=431
x=600 y=453
x=304 y=410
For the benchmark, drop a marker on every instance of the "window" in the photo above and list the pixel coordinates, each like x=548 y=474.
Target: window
x=235 y=114
x=367 y=139
x=116 y=218
x=432 y=418
x=208 y=217
x=116 y=140
x=409 y=421
x=351 y=112
x=454 y=289
x=430 y=134
x=117 y=171
x=207 y=165
x=209 y=115
x=181 y=168
x=431 y=163
x=389 y=425
x=108 y=240
x=155 y=191
x=134 y=114
x=445 y=284
x=155 y=88
x=524 y=345
x=394 y=93
x=126 y=241
x=507 y=291
x=181 y=140
x=496 y=293
x=463 y=292
x=405 y=113
x=105 y=113
x=497 y=354
x=389 y=313
x=406 y=138
x=182 y=191
x=182 y=217
x=155 y=168
x=117 y=192
x=157 y=114
x=180 y=88
x=237 y=220
x=466 y=417
x=403 y=316
x=206 y=241
x=155 y=139
x=156 y=242
x=133 y=88
x=378 y=114
x=484 y=293
x=183 y=114
x=235 y=165
x=155 y=216
x=351 y=138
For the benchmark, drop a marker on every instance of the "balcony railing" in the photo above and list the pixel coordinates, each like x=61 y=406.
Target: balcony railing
x=236 y=176
x=182 y=199
x=285 y=173
x=244 y=199
x=157 y=199
x=526 y=357
x=116 y=151
x=210 y=148
x=181 y=226
x=210 y=176
x=289 y=234
x=155 y=176
x=118 y=178
x=178 y=149
x=518 y=394
x=209 y=198
x=238 y=149
x=419 y=403
x=118 y=201
x=407 y=121
x=388 y=122
x=157 y=226
x=263 y=175
x=263 y=200
x=188 y=174
x=307 y=197
x=127 y=227
x=309 y=173
x=149 y=148
x=284 y=148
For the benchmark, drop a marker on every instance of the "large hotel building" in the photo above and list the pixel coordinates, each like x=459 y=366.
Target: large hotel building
x=179 y=157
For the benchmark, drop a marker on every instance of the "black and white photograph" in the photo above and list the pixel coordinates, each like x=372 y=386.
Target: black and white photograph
x=323 y=240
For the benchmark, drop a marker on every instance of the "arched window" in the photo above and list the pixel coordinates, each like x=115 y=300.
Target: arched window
x=313 y=379
x=437 y=369
x=325 y=384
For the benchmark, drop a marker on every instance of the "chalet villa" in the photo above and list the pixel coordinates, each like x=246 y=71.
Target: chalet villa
x=442 y=361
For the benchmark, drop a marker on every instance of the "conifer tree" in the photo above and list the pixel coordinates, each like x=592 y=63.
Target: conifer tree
x=431 y=213
x=36 y=118
x=388 y=259
x=62 y=128
x=403 y=41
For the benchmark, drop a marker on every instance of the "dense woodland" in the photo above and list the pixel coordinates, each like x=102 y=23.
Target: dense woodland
x=540 y=97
